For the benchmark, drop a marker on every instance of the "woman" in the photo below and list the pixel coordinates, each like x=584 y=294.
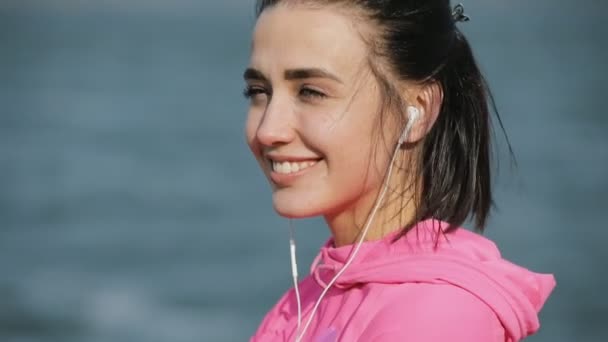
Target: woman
x=374 y=115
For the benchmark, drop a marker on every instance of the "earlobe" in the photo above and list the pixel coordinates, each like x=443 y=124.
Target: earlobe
x=428 y=101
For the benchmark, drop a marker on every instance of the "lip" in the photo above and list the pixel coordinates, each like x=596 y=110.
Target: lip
x=283 y=179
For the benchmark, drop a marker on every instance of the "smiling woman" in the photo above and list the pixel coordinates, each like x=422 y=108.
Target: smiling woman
x=373 y=114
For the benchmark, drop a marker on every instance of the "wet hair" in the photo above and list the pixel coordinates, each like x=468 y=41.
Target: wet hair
x=419 y=41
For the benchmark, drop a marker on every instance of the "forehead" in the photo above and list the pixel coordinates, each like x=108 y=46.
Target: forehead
x=295 y=36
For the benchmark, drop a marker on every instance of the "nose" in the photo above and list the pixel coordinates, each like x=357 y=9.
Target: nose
x=276 y=127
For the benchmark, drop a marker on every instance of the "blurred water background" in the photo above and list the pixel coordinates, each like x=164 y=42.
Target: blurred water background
x=131 y=210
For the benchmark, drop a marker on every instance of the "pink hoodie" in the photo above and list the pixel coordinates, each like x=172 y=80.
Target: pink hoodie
x=456 y=288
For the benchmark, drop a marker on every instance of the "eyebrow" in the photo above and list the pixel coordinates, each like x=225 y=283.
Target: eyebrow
x=292 y=74
x=298 y=74
x=252 y=74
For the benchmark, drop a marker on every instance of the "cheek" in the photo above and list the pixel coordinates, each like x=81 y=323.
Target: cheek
x=346 y=143
x=358 y=158
x=346 y=138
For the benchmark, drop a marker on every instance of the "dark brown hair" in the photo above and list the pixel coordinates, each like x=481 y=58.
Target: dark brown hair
x=420 y=42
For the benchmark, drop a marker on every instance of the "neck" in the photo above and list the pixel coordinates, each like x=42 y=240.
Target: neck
x=394 y=212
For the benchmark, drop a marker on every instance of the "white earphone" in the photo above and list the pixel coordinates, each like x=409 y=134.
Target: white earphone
x=413 y=114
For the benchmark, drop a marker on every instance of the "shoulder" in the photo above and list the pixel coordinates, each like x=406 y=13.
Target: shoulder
x=433 y=312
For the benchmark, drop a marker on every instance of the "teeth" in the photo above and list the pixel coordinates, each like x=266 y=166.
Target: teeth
x=291 y=167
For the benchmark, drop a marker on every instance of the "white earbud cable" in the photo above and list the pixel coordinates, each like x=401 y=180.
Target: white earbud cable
x=294 y=269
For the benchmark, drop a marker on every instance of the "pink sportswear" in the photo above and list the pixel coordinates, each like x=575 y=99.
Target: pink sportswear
x=455 y=288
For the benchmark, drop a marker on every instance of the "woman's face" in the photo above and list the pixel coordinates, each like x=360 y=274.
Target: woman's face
x=313 y=108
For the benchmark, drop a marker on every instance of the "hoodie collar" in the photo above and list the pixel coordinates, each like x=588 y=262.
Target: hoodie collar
x=330 y=259
x=458 y=257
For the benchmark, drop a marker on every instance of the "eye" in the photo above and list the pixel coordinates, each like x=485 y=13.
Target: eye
x=251 y=92
x=309 y=93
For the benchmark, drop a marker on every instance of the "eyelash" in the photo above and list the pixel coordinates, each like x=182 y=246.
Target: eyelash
x=307 y=93
x=250 y=91
x=311 y=93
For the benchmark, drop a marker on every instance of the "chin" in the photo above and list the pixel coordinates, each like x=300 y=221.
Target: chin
x=293 y=206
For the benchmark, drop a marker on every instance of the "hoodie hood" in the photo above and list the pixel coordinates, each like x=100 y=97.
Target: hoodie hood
x=428 y=254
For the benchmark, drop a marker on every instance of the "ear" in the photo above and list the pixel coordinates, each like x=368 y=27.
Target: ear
x=428 y=98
